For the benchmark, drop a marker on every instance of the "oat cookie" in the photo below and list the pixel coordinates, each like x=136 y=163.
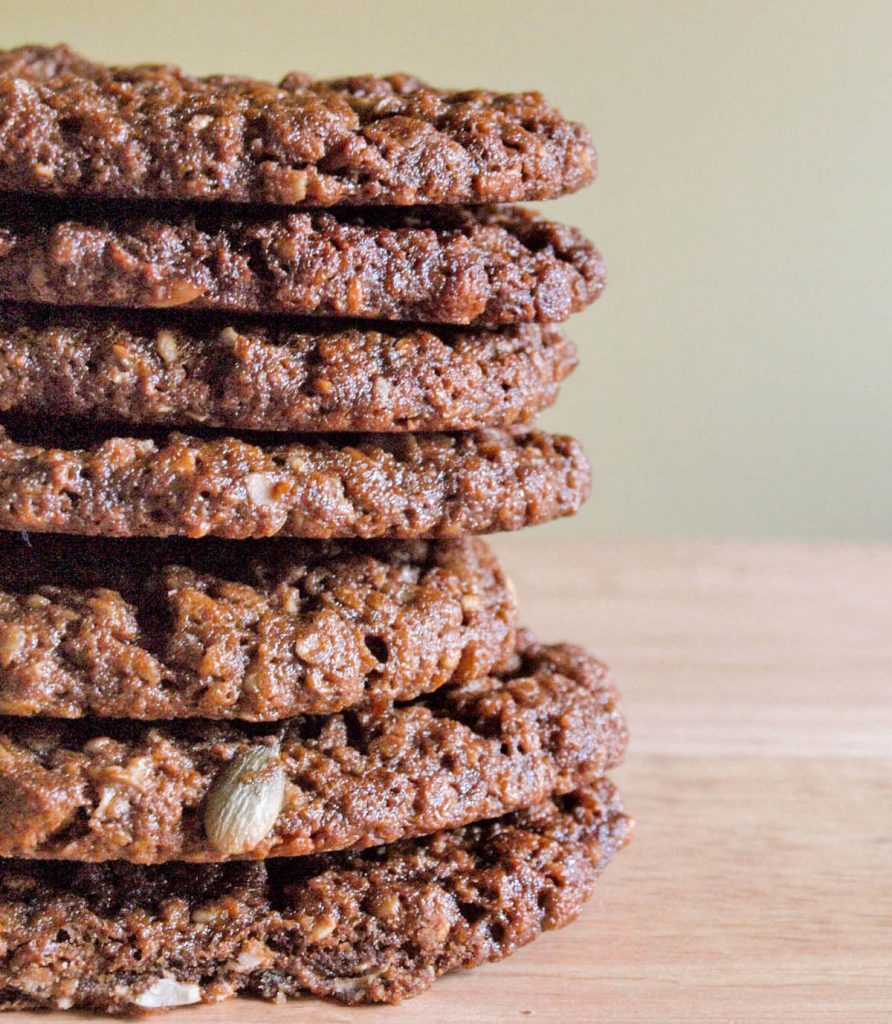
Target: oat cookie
x=93 y=790
x=221 y=371
x=461 y=265
x=71 y=127
x=148 y=628
x=319 y=486
x=377 y=926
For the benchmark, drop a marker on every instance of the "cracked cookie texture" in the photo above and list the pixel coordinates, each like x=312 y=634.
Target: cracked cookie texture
x=485 y=265
x=100 y=789
x=150 y=629
x=275 y=375
x=358 y=927
x=72 y=127
x=320 y=486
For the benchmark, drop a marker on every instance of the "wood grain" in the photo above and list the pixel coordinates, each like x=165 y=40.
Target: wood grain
x=758 y=685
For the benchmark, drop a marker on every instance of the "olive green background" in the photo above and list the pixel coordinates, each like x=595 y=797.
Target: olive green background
x=737 y=375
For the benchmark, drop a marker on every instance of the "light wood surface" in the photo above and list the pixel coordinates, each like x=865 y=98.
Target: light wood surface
x=758 y=686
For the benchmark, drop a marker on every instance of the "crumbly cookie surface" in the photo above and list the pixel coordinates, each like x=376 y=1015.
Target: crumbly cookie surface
x=163 y=629
x=198 y=790
x=71 y=127
x=319 y=486
x=255 y=375
x=376 y=926
x=483 y=265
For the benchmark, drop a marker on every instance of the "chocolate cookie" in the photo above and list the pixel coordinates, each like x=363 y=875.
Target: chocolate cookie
x=146 y=369
x=376 y=926
x=178 y=629
x=199 y=790
x=478 y=265
x=375 y=485
x=70 y=127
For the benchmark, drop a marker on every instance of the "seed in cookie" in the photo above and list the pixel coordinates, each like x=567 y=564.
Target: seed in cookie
x=245 y=800
x=97 y=789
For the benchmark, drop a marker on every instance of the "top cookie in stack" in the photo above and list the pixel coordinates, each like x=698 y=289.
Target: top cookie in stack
x=75 y=128
x=363 y=375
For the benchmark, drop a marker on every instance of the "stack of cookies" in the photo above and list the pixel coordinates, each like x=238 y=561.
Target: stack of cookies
x=270 y=725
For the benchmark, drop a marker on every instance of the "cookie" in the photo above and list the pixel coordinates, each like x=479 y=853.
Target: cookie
x=150 y=628
x=274 y=375
x=198 y=790
x=70 y=127
x=476 y=265
x=376 y=926
x=324 y=487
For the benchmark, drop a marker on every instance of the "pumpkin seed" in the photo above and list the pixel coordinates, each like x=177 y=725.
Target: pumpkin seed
x=245 y=800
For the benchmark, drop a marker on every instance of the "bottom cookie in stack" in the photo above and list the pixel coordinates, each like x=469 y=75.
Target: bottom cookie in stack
x=370 y=926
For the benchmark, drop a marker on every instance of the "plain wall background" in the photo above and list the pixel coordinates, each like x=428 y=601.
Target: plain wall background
x=736 y=378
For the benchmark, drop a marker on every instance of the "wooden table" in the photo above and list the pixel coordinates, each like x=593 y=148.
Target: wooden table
x=758 y=686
